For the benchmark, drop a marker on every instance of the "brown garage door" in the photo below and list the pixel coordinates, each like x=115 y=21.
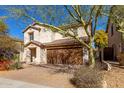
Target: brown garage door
x=65 y=56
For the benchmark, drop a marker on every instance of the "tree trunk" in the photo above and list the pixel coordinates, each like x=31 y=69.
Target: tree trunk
x=91 y=58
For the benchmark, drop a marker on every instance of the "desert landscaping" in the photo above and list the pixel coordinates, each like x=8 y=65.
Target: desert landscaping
x=46 y=75
x=52 y=76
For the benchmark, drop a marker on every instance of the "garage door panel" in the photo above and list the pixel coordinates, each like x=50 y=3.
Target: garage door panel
x=65 y=56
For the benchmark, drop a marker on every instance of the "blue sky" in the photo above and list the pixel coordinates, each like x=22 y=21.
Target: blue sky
x=16 y=26
x=13 y=28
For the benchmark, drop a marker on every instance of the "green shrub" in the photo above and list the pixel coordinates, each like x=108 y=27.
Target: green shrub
x=87 y=77
x=15 y=65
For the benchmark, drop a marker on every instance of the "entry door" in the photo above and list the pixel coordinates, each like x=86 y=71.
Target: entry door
x=33 y=54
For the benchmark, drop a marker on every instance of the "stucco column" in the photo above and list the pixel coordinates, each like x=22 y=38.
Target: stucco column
x=38 y=58
x=85 y=55
x=27 y=55
x=43 y=56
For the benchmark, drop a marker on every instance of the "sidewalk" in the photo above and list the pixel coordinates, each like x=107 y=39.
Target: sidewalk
x=8 y=83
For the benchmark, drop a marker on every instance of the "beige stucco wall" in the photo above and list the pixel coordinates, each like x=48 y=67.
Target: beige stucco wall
x=81 y=32
x=114 y=40
x=26 y=55
x=46 y=35
x=43 y=56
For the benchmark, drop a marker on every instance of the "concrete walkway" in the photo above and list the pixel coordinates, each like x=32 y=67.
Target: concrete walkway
x=8 y=83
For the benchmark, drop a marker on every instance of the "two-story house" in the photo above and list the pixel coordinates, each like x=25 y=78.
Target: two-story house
x=42 y=46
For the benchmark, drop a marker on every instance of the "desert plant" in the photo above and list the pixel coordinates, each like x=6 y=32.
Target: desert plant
x=15 y=65
x=86 y=77
x=120 y=59
x=4 y=65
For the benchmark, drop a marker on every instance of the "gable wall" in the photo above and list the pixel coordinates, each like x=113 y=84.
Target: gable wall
x=81 y=32
x=26 y=35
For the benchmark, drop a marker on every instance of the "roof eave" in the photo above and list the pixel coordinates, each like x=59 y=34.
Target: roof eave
x=36 y=28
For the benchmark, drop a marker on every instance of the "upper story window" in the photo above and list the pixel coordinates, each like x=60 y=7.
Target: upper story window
x=112 y=30
x=31 y=36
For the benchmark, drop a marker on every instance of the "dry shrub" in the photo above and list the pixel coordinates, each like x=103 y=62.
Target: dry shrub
x=120 y=59
x=87 y=77
x=67 y=68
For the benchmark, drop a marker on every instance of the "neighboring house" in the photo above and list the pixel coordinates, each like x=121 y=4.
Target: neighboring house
x=115 y=43
x=19 y=48
x=42 y=46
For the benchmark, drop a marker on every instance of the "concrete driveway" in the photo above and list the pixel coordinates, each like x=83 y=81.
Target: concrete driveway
x=40 y=75
x=8 y=83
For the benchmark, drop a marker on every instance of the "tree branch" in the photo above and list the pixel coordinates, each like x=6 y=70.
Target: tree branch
x=72 y=15
x=90 y=17
x=96 y=18
x=78 y=11
x=79 y=15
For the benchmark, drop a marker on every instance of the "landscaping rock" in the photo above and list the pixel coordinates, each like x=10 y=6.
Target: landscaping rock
x=106 y=66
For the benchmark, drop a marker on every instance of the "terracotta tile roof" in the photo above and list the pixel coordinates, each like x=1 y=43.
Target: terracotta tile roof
x=66 y=26
x=71 y=25
x=57 y=43
x=65 y=42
